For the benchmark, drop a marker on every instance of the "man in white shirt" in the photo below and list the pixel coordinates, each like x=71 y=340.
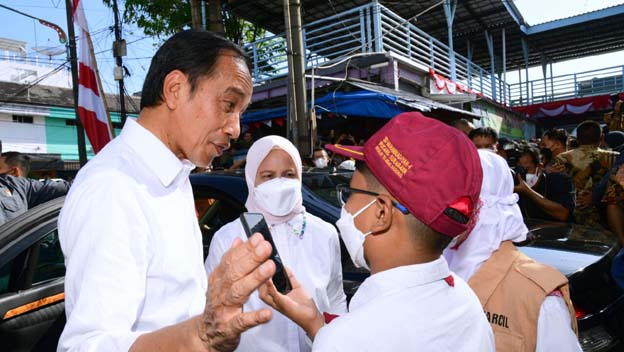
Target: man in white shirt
x=133 y=250
x=415 y=189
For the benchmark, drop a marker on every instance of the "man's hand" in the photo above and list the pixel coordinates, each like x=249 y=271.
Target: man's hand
x=242 y=269
x=296 y=305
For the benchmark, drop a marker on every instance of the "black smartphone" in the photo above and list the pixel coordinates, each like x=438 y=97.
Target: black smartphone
x=254 y=222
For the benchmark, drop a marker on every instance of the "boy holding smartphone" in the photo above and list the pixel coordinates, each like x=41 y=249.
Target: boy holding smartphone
x=416 y=189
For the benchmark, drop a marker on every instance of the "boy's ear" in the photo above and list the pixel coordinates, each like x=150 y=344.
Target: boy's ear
x=383 y=214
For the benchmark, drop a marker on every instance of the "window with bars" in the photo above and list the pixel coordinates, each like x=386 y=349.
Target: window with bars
x=22 y=119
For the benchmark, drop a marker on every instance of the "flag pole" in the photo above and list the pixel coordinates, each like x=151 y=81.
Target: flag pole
x=73 y=58
x=99 y=82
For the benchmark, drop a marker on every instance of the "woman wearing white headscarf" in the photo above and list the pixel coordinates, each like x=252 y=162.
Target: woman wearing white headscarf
x=527 y=303
x=307 y=245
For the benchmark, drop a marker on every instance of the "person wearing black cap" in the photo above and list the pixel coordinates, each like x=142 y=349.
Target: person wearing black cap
x=18 y=194
x=415 y=190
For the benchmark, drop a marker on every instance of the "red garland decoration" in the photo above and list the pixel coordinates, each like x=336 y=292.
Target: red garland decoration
x=443 y=83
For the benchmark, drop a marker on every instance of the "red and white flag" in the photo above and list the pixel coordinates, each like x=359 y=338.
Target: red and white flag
x=91 y=105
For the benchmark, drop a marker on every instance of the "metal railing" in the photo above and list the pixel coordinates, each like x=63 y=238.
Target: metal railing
x=408 y=40
x=324 y=40
x=575 y=85
x=367 y=29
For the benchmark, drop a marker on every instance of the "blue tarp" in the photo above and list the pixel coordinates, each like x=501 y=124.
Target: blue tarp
x=261 y=115
x=358 y=103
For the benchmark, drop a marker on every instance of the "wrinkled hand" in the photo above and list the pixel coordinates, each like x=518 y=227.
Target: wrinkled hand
x=583 y=199
x=619 y=175
x=296 y=305
x=242 y=269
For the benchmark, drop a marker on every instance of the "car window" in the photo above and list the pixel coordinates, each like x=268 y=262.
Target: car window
x=5 y=276
x=50 y=262
x=44 y=259
x=213 y=211
x=324 y=185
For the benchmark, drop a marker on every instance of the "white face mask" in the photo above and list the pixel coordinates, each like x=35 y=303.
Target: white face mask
x=320 y=162
x=531 y=179
x=352 y=237
x=278 y=196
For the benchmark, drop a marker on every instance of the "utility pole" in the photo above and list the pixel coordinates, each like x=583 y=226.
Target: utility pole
x=196 y=20
x=297 y=108
x=73 y=58
x=215 y=20
x=119 y=51
x=291 y=120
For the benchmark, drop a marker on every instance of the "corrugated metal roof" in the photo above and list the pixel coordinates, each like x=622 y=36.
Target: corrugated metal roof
x=578 y=14
x=415 y=101
x=55 y=96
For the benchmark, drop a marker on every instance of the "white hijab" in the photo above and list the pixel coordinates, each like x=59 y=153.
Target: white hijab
x=256 y=154
x=499 y=219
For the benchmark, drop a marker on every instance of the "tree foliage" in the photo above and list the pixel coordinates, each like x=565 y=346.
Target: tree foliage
x=162 y=18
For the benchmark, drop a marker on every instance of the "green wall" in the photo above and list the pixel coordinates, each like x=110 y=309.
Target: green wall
x=62 y=139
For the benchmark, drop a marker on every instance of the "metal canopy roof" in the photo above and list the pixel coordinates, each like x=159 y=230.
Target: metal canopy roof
x=586 y=34
x=583 y=35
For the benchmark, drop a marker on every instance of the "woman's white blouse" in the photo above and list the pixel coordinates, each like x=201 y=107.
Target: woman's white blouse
x=315 y=261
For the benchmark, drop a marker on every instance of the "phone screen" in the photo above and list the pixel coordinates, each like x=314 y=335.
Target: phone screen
x=254 y=222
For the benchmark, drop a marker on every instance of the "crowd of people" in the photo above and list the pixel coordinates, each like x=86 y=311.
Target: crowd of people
x=235 y=157
x=431 y=211
x=558 y=177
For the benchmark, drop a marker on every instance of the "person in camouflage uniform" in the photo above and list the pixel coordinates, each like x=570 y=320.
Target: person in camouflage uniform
x=587 y=165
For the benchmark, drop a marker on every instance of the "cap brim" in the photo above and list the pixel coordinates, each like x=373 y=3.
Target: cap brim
x=351 y=151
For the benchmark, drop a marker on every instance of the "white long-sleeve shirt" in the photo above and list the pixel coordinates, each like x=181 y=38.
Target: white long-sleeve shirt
x=554 y=327
x=410 y=308
x=132 y=245
x=554 y=332
x=315 y=261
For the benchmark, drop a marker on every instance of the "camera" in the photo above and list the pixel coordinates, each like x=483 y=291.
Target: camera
x=518 y=171
x=511 y=151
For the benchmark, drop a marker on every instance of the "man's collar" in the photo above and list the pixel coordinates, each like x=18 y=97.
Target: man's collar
x=155 y=154
x=399 y=278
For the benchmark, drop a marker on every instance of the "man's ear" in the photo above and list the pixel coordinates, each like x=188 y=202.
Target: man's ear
x=383 y=214
x=174 y=84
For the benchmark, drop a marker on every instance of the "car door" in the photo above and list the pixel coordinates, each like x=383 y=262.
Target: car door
x=32 y=270
x=214 y=209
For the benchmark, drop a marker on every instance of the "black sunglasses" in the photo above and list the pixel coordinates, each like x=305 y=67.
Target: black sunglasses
x=344 y=192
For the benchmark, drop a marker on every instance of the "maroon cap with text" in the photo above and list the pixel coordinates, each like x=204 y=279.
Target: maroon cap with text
x=431 y=168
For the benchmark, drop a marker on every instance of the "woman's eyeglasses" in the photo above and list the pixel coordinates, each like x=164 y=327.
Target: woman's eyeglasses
x=344 y=192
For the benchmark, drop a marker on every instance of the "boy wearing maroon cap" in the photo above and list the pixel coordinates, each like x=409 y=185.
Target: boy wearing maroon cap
x=415 y=189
